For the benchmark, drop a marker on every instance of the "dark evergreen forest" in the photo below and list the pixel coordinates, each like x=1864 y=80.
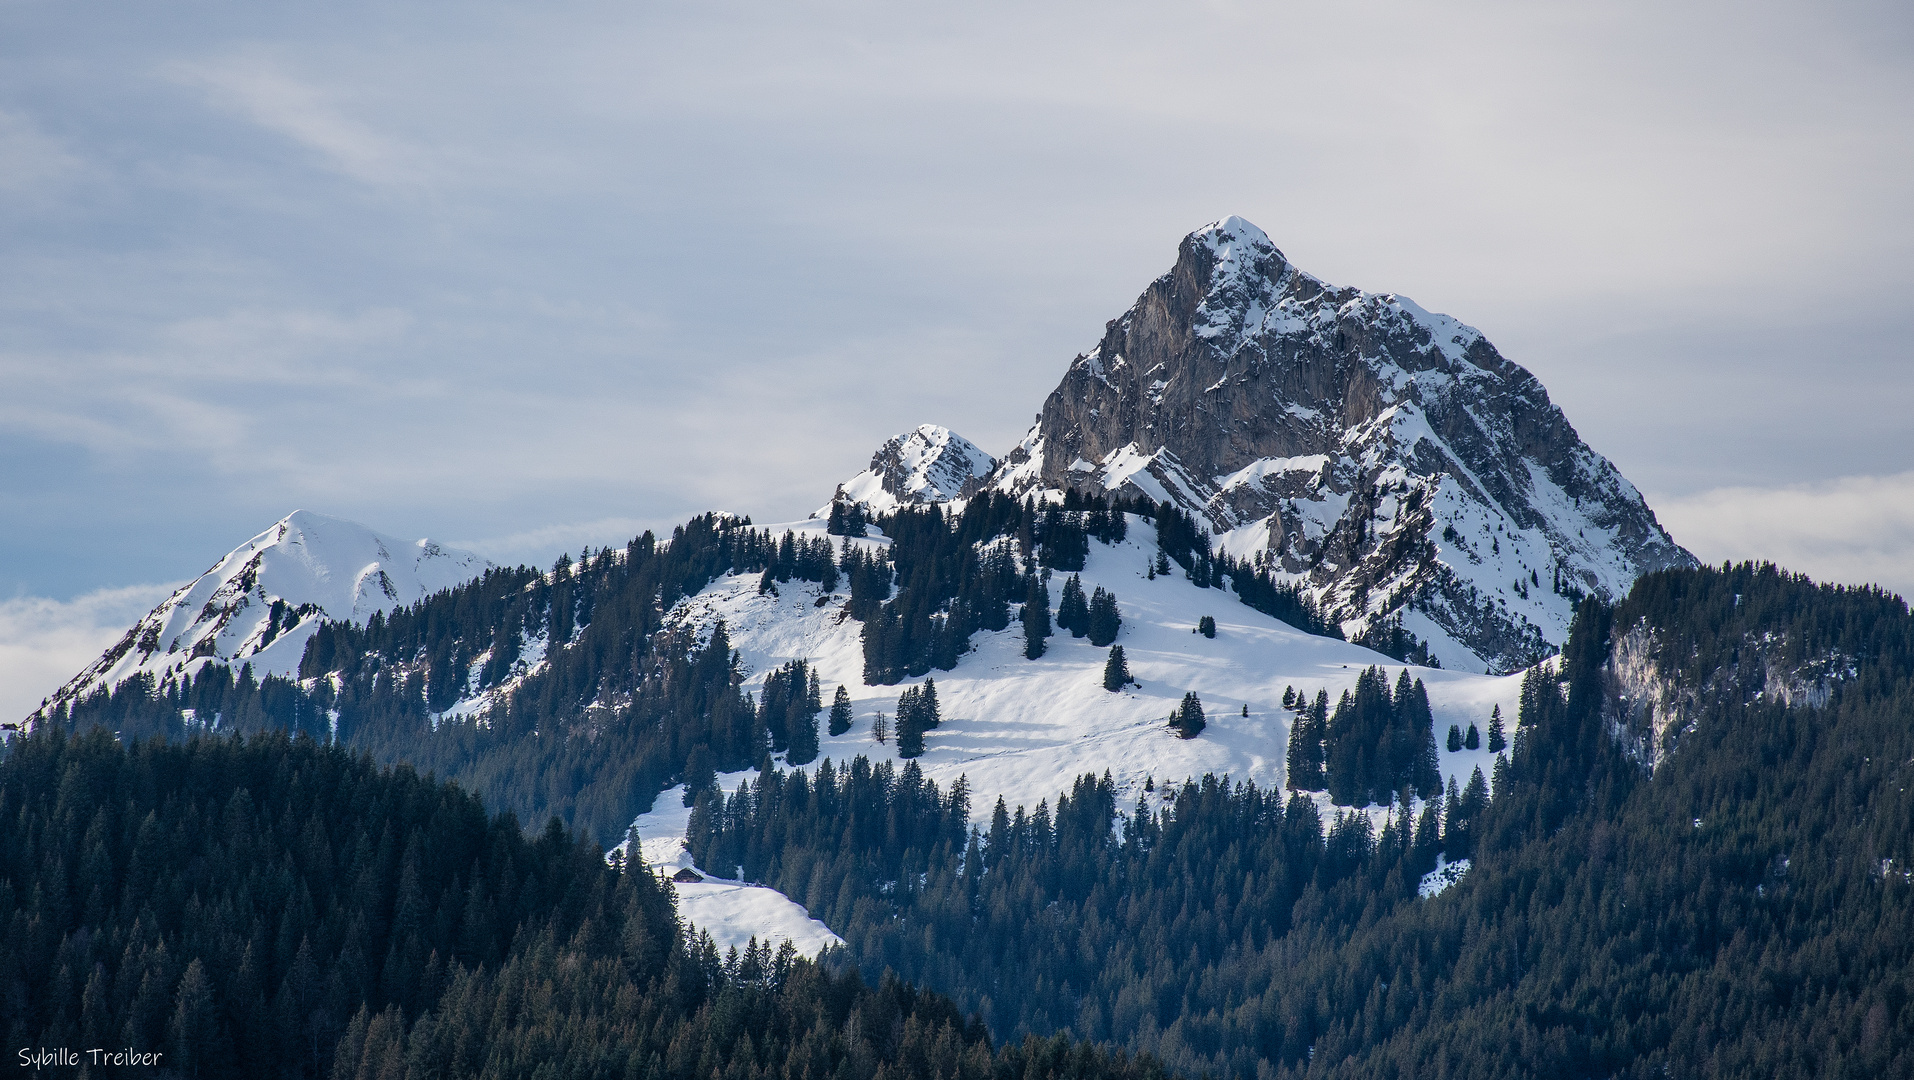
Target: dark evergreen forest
x=269 y=907
x=1744 y=911
x=622 y=706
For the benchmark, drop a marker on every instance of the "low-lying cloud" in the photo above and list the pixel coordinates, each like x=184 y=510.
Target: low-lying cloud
x=1856 y=530
x=45 y=642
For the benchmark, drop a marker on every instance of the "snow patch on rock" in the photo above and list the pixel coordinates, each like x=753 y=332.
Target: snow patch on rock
x=264 y=600
x=733 y=912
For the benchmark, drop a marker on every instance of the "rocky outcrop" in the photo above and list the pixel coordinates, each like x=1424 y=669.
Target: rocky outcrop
x=929 y=464
x=1387 y=458
x=1649 y=703
x=263 y=601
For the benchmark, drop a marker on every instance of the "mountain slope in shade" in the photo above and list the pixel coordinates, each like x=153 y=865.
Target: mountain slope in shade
x=1386 y=458
x=929 y=464
x=261 y=603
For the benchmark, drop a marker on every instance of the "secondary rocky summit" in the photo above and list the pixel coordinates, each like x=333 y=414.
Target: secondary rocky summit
x=1386 y=458
x=263 y=601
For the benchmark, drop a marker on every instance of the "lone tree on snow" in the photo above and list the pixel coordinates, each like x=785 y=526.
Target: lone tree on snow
x=1116 y=670
x=841 y=711
x=1188 y=720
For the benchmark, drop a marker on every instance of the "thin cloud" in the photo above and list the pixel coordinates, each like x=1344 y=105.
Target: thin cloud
x=45 y=642
x=307 y=115
x=31 y=161
x=1856 y=530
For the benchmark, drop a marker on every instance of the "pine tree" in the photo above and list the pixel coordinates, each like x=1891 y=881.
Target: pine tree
x=929 y=713
x=1116 y=670
x=910 y=724
x=1304 y=762
x=1036 y=617
x=1206 y=626
x=880 y=729
x=1103 y=619
x=1455 y=738
x=1473 y=739
x=1073 y=613
x=840 y=711
x=699 y=773
x=195 y=1022
x=801 y=731
x=1188 y=719
x=1497 y=741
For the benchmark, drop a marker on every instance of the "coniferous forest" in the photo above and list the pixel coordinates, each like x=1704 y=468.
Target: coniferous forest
x=1746 y=910
x=265 y=906
x=623 y=707
x=1726 y=893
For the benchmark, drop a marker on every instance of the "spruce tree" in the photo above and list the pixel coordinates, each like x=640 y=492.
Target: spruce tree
x=1073 y=613
x=1455 y=738
x=1206 y=626
x=1497 y=740
x=910 y=725
x=699 y=773
x=1472 y=740
x=1188 y=719
x=841 y=711
x=801 y=732
x=1036 y=617
x=1304 y=762
x=1103 y=619
x=1116 y=670
x=929 y=713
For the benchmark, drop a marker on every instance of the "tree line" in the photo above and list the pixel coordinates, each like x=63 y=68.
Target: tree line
x=1744 y=910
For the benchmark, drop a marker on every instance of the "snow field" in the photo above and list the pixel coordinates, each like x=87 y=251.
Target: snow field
x=731 y=911
x=1026 y=729
x=341 y=567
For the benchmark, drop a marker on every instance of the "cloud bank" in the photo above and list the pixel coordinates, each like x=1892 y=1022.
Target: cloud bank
x=43 y=643
x=1856 y=530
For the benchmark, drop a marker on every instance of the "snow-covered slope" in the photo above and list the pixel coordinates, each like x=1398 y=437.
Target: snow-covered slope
x=733 y=912
x=930 y=464
x=1385 y=457
x=261 y=603
x=1025 y=729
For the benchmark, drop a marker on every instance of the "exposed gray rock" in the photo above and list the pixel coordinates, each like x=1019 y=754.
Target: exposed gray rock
x=929 y=464
x=1387 y=458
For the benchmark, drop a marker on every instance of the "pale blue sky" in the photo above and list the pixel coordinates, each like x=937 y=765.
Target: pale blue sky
x=531 y=277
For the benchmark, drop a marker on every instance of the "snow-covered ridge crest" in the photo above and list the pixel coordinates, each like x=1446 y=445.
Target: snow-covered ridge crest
x=263 y=600
x=1384 y=457
x=927 y=465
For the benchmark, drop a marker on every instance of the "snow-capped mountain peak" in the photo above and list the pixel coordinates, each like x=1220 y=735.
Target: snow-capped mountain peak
x=260 y=603
x=929 y=464
x=1384 y=457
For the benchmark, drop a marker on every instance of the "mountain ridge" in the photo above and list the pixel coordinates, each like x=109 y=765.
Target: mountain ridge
x=1372 y=453
x=261 y=602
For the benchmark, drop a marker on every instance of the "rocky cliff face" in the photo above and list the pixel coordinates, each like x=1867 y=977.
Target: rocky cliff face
x=1387 y=458
x=930 y=464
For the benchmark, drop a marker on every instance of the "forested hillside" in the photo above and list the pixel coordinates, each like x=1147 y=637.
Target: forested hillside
x=1746 y=910
x=569 y=693
x=270 y=907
